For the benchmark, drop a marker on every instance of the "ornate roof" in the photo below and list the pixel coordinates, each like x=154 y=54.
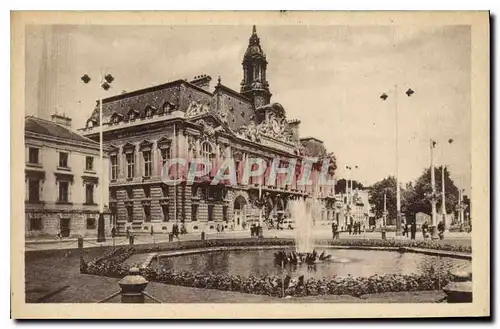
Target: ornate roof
x=254 y=49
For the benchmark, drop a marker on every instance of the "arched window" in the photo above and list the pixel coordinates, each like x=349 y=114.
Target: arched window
x=207 y=151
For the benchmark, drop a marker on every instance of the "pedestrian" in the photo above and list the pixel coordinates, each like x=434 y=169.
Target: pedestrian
x=441 y=228
x=425 y=228
x=349 y=228
x=175 y=231
x=413 y=229
x=334 y=233
x=113 y=232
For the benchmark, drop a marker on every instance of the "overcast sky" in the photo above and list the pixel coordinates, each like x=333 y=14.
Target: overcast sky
x=330 y=78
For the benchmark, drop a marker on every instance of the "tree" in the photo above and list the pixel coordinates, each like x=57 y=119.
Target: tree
x=419 y=199
x=340 y=185
x=386 y=186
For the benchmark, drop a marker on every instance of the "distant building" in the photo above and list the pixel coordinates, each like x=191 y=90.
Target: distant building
x=62 y=179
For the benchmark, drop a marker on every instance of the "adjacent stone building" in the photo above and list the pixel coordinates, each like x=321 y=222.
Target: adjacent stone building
x=145 y=128
x=62 y=180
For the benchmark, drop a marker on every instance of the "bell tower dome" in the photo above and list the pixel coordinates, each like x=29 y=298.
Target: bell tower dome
x=254 y=84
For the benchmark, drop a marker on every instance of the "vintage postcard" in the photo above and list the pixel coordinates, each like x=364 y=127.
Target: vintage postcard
x=250 y=164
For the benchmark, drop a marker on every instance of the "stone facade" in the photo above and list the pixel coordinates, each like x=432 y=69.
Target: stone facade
x=75 y=210
x=184 y=120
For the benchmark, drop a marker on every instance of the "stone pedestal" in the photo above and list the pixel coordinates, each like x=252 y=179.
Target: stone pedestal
x=132 y=287
x=460 y=289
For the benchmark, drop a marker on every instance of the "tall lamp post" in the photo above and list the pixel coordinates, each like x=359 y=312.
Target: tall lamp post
x=443 y=189
x=349 y=192
x=384 y=97
x=105 y=84
x=433 y=195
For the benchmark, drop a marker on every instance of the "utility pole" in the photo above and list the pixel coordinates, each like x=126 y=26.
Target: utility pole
x=434 y=235
x=443 y=202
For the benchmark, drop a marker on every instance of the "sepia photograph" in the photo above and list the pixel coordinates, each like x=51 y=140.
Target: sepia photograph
x=258 y=165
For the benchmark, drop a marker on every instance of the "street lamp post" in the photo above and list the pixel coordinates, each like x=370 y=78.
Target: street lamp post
x=105 y=83
x=443 y=189
x=384 y=97
x=434 y=235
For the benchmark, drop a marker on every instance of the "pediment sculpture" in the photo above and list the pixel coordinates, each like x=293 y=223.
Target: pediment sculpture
x=208 y=127
x=196 y=108
x=250 y=132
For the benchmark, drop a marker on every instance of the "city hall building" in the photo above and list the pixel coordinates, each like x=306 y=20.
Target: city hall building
x=183 y=119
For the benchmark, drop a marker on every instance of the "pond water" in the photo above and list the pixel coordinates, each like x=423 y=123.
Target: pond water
x=344 y=262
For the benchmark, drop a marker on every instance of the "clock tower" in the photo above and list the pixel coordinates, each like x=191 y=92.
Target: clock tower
x=254 y=84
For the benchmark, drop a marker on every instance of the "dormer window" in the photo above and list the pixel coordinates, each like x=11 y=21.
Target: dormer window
x=116 y=118
x=92 y=123
x=167 y=107
x=149 y=111
x=132 y=115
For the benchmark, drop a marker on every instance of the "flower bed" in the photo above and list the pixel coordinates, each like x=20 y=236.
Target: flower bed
x=111 y=265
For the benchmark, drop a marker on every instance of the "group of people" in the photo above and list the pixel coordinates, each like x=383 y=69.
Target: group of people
x=220 y=228
x=354 y=228
x=412 y=230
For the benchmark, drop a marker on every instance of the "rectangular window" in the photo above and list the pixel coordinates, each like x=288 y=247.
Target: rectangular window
x=89 y=163
x=147 y=214
x=33 y=155
x=147 y=163
x=89 y=193
x=147 y=191
x=212 y=193
x=113 y=193
x=90 y=223
x=130 y=165
x=194 y=212
x=34 y=190
x=130 y=214
x=36 y=224
x=210 y=212
x=63 y=191
x=224 y=214
x=130 y=193
x=164 y=189
x=164 y=208
x=63 y=159
x=165 y=152
x=114 y=167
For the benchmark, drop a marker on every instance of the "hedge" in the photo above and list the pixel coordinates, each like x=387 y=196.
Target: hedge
x=111 y=265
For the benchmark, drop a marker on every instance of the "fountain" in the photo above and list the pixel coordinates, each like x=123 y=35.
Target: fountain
x=302 y=212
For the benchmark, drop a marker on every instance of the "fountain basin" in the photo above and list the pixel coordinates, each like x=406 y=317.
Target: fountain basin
x=344 y=262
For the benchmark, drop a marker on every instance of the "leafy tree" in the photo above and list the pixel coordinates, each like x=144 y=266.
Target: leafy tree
x=386 y=186
x=419 y=199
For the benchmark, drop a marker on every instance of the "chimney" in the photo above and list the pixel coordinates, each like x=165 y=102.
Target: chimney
x=294 y=126
x=61 y=119
x=202 y=81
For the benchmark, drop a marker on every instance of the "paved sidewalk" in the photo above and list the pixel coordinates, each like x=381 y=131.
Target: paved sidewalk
x=71 y=243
